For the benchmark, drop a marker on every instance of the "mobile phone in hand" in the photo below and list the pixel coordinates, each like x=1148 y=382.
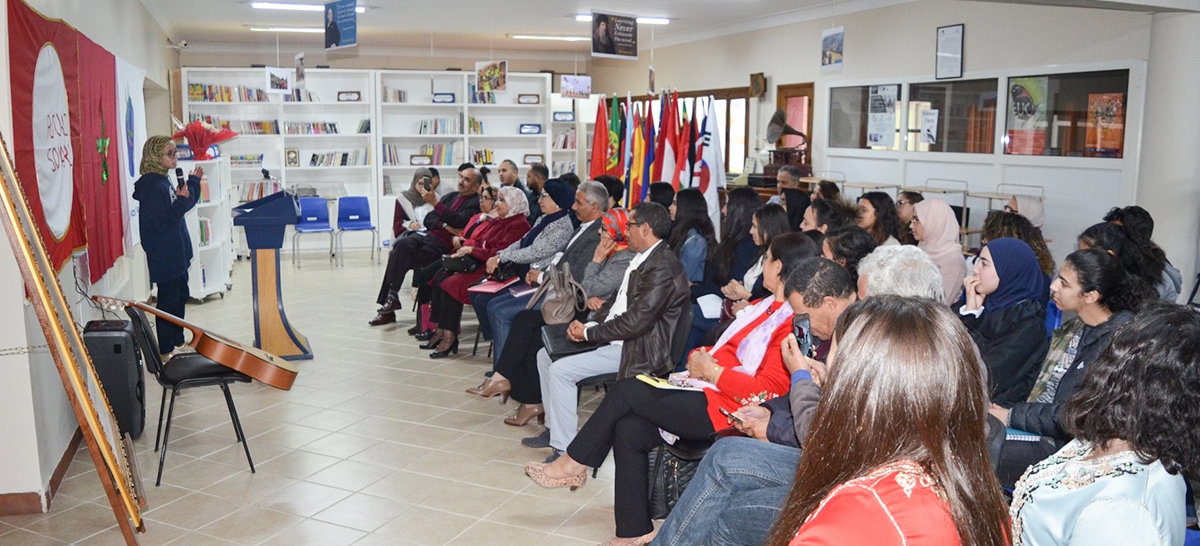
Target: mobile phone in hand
x=427 y=182
x=802 y=328
x=727 y=413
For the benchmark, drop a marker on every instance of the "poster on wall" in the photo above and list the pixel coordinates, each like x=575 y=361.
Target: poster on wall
x=1026 y=116
x=575 y=86
x=341 y=24
x=831 y=50
x=279 y=80
x=299 y=83
x=929 y=126
x=614 y=36
x=491 y=75
x=1105 y=124
x=881 y=115
x=132 y=120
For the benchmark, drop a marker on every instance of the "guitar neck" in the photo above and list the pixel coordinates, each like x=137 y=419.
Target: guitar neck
x=152 y=310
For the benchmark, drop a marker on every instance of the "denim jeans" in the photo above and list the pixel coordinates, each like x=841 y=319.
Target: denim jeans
x=735 y=497
x=501 y=311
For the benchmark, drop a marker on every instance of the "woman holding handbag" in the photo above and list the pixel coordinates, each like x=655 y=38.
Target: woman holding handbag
x=450 y=291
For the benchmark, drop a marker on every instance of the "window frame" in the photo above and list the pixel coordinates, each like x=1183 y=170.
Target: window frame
x=726 y=94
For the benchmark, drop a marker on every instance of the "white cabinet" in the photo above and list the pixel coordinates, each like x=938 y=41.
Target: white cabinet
x=572 y=143
x=209 y=223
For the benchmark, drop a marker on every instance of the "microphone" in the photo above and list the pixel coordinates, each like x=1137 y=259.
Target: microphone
x=179 y=177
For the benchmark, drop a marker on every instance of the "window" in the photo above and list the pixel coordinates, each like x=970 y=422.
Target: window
x=864 y=117
x=1079 y=115
x=732 y=109
x=956 y=116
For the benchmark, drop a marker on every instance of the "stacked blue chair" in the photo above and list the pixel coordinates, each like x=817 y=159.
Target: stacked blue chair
x=314 y=218
x=354 y=214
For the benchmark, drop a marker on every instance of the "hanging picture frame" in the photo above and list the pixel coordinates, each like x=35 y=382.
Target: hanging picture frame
x=949 y=59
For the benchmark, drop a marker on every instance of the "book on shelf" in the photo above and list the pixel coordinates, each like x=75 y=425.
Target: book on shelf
x=565 y=140
x=364 y=127
x=247 y=161
x=301 y=95
x=199 y=92
x=204 y=190
x=352 y=158
x=310 y=128
x=441 y=126
x=205 y=231
x=393 y=95
x=481 y=97
x=475 y=126
x=242 y=127
x=440 y=154
x=561 y=167
x=257 y=189
x=482 y=157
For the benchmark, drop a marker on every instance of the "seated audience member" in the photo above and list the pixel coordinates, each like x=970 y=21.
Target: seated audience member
x=1093 y=285
x=450 y=292
x=409 y=253
x=905 y=209
x=730 y=260
x=745 y=364
x=692 y=232
x=572 y=179
x=1029 y=207
x=537 y=176
x=846 y=247
x=1139 y=259
x=1139 y=226
x=1134 y=419
x=742 y=483
x=516 y=369
x=827 y=214
x=638 y=326
x=936 y=231
x=877 y=215
x=616 y=189
x=826 y=189
x=547 y=238
x=1006 y=317
x=790 y=195
x=407 y=219
x=767 y=223
x=864 y=479
x=1006 y=224
x=662 y=193
x=511 y=176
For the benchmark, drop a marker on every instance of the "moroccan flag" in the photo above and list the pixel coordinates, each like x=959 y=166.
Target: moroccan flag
x=599 y=166
x=616 y=137
x=637 y=155
x=649 y=161
x=98 y=160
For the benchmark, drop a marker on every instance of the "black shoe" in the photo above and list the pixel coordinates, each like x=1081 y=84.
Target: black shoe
x=415 y=330
x=430 y=344
x=453 y=348
x=554 y=456
x=382 y=318
x=541 y=441
x=424 y=336
x=391 y=304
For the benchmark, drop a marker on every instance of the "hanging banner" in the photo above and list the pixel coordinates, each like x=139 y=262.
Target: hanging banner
x=98 y=163
x=1026 y=116
x=614 y=36
x=881 y=115
x=341 y=24
x=131 y=116
x=279 y=80
x=831 y=50
x=575 y=87
x=299 y=82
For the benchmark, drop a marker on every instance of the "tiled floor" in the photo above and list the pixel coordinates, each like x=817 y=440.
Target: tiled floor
x=375 y=444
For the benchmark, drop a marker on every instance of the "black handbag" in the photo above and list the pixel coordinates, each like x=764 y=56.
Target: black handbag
x=505 y=271
x=669 y=475
x=459 y=264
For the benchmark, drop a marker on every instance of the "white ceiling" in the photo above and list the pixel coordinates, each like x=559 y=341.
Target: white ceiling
x=475 y=24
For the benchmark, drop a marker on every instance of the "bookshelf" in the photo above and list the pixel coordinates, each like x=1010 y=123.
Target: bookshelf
x=573 y=156
x=210 y=226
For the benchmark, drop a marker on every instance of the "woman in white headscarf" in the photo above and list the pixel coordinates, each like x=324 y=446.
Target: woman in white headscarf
x=411 y=208
x=1030 y=207
x=936 y=231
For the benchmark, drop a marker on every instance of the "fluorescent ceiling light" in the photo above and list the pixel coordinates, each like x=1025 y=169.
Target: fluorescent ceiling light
x=295 y=7
x=549 y=37
x=309 y=30
x=642 y=20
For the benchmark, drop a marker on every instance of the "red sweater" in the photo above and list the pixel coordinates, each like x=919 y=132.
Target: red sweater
x=738 y=389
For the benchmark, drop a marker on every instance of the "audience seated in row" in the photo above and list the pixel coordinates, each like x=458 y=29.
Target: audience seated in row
x=936 y=231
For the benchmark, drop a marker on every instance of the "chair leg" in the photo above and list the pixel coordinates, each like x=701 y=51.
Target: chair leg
x=162 y=456
x=237 y=424
x=490 y=345
x=475 y=349
x=162 y=405
x=296 y=249
x=331 y=254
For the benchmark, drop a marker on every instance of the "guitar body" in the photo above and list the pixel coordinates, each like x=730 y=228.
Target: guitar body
x=256 y=363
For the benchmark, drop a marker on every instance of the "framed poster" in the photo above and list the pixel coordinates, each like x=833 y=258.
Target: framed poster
x=949 y=52
x=341 y=24
x=831 y=50
x=491 y=75
x=614 y=36
x=575 y=86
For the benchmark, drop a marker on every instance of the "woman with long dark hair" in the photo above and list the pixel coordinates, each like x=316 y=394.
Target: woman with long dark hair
x=768 y=222
x=730 y=260
x=692 y=233
x=1134 y=419
x=1137 y=258
x=897 y=451
x=905 y=210
x=877 y=215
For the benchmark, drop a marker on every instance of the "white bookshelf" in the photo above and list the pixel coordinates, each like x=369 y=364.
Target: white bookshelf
x=579 y=156
x=210 y=225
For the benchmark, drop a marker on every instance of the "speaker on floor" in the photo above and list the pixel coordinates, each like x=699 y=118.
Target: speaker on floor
x=119 y=367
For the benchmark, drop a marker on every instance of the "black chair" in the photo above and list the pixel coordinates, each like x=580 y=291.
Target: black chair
x=183 y=371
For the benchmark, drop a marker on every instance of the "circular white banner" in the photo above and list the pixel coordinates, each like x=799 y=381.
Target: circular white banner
x=52 y=141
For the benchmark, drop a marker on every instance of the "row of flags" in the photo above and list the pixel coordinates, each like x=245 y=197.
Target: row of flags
x=685 y=151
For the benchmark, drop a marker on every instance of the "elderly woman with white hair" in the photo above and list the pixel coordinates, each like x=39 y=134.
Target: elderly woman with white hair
x=902 y=270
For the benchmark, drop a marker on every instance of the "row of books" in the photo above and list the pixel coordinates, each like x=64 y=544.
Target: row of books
x=301 y=95
x=357 y=157
x=205 y=194
x=441 y=126
x=205 y=232
x=310 y=128
x=394 y=95
x=565 y=140
x=257 y=189
x=199 y=92
x=241 y=127
x=474 y=126
x=481 y=97
x=247 y=161
x=439 y=154
x=482 y=157
x=561 y=167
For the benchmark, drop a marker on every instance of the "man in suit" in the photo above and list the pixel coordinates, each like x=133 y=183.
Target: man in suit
x=591 y=200
x=421 y=248
x=638 y=324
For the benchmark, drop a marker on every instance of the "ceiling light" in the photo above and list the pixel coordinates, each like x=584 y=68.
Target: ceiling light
x=310 y=30
x=549 y=37
x=642 y=20
x=295 y=7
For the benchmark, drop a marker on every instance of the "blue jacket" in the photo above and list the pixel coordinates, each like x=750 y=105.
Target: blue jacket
x=164 y=233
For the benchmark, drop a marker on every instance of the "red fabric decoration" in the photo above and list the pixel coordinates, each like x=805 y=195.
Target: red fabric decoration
x=201 y=135
x=98 y=163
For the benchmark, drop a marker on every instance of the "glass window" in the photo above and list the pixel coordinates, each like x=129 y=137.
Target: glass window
x=736 y=143
x=1078 y=115
x=957 y=116
x=864 y=117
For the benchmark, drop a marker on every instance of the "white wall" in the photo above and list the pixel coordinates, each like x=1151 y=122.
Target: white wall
x=35 y=418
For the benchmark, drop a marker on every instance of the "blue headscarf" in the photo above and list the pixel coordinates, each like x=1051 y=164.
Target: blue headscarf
x=1021 y=277
x=563 y=196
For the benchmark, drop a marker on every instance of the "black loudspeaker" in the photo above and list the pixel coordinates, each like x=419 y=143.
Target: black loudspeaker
x=119 y=366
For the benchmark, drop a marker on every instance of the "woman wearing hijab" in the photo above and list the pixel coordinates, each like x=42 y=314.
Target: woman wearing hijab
x=1006 y=318
x=517 y=368
x=411 y=208
x=450 y=293
x=164 y=234
x=936 y=230
x=1030 y=207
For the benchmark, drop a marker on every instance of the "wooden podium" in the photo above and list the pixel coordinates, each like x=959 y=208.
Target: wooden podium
x=265 y=221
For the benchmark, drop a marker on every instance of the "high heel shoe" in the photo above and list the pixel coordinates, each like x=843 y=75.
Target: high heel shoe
x=537 y=472
x=492 y=387
x=525 y=413
x=452 y=349
x=424 y=336
x=430 y=344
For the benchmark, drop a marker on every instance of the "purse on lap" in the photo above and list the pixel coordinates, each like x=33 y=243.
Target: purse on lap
x=459 y=264
x=563 y=296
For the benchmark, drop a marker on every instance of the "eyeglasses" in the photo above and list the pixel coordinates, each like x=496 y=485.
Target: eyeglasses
x=542 y=195
x=1008 y=208
x=171 y=153
x=633 y=223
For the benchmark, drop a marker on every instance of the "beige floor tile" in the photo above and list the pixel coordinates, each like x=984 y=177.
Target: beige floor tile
x=427 y=527
x=287 y=412
x=83 y=487
x=349 y=475
x=377 y=428
x=381 y=540
x=316 y=533
x=497 y=534
x=412 y=413
x=536 y=513
x=289 y=435
x=74 y=524
x=467 y=499
x=200 y=539
x=297 y=464
x=198 y=474
x=500 y=475
x=460 y=420
x=245 y=487
x=303 y=498
x=251 y=525
x=452 y=466
x=368 y=405
x=391 y=455
x=158 y=495
x=407 y=487
x=428 y=436
x=480 y=445
x=193 y=511
x=363 y=512
x=559 y=540
x=235 y=456
x=204 y=443
x=339 y=445
x=332 y=420
x=591 y=524
x=21 y=537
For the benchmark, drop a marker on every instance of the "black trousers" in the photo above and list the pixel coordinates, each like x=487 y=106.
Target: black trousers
x=627 y=422
x=444 y=309
x=518 y=361
x=422 y=279
x=1017 y=457
x=172 y=298
x=409 y=253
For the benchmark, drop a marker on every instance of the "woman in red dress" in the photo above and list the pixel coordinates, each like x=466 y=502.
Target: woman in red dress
x=897 y=449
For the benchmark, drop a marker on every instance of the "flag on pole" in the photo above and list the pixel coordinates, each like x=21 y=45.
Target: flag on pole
x=687 y=151
x=650 y=158
x=614 y=166
x=600 y=142
x=637 y=156
x=709 y=172
x=627 y=153
x=664 y=167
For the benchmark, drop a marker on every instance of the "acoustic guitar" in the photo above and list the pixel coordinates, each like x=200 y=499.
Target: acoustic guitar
x=254 y=362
